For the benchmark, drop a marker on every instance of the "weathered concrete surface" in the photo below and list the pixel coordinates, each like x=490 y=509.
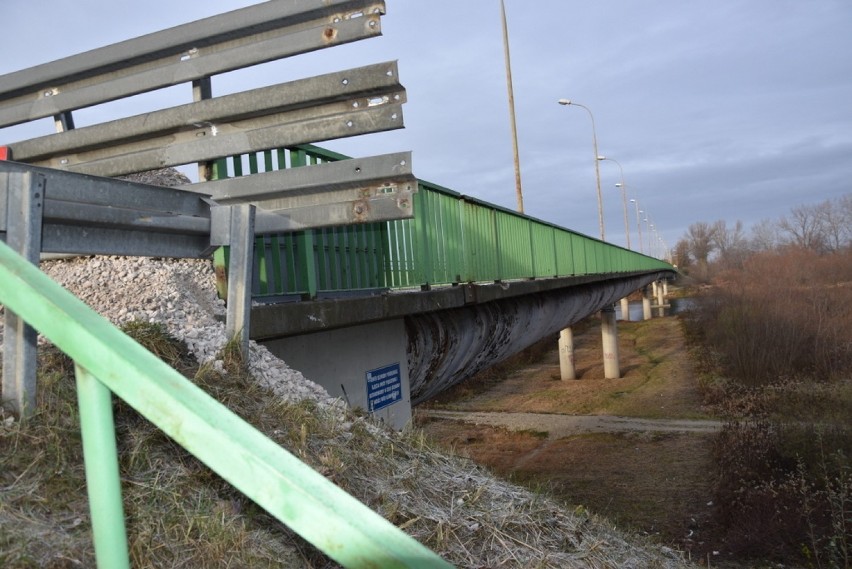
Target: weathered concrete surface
x=294 y=318
x=447 y=346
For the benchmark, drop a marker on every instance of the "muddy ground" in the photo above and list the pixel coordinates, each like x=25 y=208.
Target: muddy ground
x=635 y=449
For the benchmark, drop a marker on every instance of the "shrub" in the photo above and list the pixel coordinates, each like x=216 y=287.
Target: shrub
x=774 y=339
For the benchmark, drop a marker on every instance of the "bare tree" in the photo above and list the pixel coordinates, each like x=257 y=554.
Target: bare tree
x=700 y=237
x=764 y=236
x=836 y=222
x=804 y=227
x=730 y=242
x=681 y=255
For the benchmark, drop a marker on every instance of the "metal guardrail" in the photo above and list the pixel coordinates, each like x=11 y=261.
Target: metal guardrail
x=451 y=238
x=48 y=205
x=336 y=105
x=107 y=361
x=191 y=52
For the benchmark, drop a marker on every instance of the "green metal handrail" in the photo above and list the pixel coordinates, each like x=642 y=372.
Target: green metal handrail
x=452 y=238
x=108 y=361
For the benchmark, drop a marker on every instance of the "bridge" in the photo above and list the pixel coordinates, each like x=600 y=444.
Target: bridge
x=383 y=288
x=432 y=300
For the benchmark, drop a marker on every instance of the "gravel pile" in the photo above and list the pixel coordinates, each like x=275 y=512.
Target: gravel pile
x=180 y=294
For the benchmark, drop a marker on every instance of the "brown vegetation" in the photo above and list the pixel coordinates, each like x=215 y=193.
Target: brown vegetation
x=774 y=340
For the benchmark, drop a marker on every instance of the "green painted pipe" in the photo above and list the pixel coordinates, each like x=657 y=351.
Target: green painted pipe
x=102 y=479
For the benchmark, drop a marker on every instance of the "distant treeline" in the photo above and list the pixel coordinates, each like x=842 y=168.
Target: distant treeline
x=707 y=248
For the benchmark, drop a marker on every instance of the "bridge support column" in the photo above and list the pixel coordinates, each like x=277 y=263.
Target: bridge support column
x=665 y=288
x=609 y=334
x=566 y=354
x=646 y=304
x=625 y=309
x=661 y=299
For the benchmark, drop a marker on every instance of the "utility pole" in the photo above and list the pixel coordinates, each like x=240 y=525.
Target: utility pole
x=518 y=190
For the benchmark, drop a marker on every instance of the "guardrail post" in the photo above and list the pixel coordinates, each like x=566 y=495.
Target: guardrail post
x=239 y=275
x=24 y=211
x=103 y=482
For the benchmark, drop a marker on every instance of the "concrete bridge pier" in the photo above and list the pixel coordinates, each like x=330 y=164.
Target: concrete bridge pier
x=646 y=304
x=609 y=334
x=661 y=299
x=366 y=366
x=625 y=309
x=566 y=354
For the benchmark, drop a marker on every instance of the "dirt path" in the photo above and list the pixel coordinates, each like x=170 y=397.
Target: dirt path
x=557 y=426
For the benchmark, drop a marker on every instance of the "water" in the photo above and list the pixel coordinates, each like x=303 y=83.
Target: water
x=675 y=306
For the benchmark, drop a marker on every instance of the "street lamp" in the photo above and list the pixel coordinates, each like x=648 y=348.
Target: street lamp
x=638 y=224
x=597 y=168
x=623 y=196
x=648 y=231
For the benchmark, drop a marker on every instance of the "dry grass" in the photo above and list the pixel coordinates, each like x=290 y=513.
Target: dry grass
x=656 y=382
x=180 y=514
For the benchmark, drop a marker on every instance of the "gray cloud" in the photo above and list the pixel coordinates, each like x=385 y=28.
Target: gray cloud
x=725 y=110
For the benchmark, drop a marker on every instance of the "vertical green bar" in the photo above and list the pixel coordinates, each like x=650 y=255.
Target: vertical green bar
x=275 y=245
x=457 y=244
x=262 y=269
x=393 y=270
x=309 y=262
x=495 y=256
x=220 y=268
x=306 y=245
x=103 y=483
x=423 y=226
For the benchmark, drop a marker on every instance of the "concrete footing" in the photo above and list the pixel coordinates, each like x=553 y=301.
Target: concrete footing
x=609 y=335
x=566 y=354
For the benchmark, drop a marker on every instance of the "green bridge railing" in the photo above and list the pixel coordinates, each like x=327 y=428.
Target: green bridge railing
x=108 y=361
x=452 y=238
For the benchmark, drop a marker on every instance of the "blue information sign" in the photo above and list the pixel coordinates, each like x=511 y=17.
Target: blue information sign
x=384 y=387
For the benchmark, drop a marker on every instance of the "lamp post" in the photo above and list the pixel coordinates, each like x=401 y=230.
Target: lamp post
x=650 y=238
x=518 y=191
x=597 y=168
x=623 y=197
x=647 y=230
x=638 y=224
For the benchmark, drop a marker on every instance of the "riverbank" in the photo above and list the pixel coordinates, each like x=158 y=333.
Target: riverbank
x=651 y=478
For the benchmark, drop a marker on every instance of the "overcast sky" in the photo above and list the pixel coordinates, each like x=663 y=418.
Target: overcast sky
x=733 y=109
